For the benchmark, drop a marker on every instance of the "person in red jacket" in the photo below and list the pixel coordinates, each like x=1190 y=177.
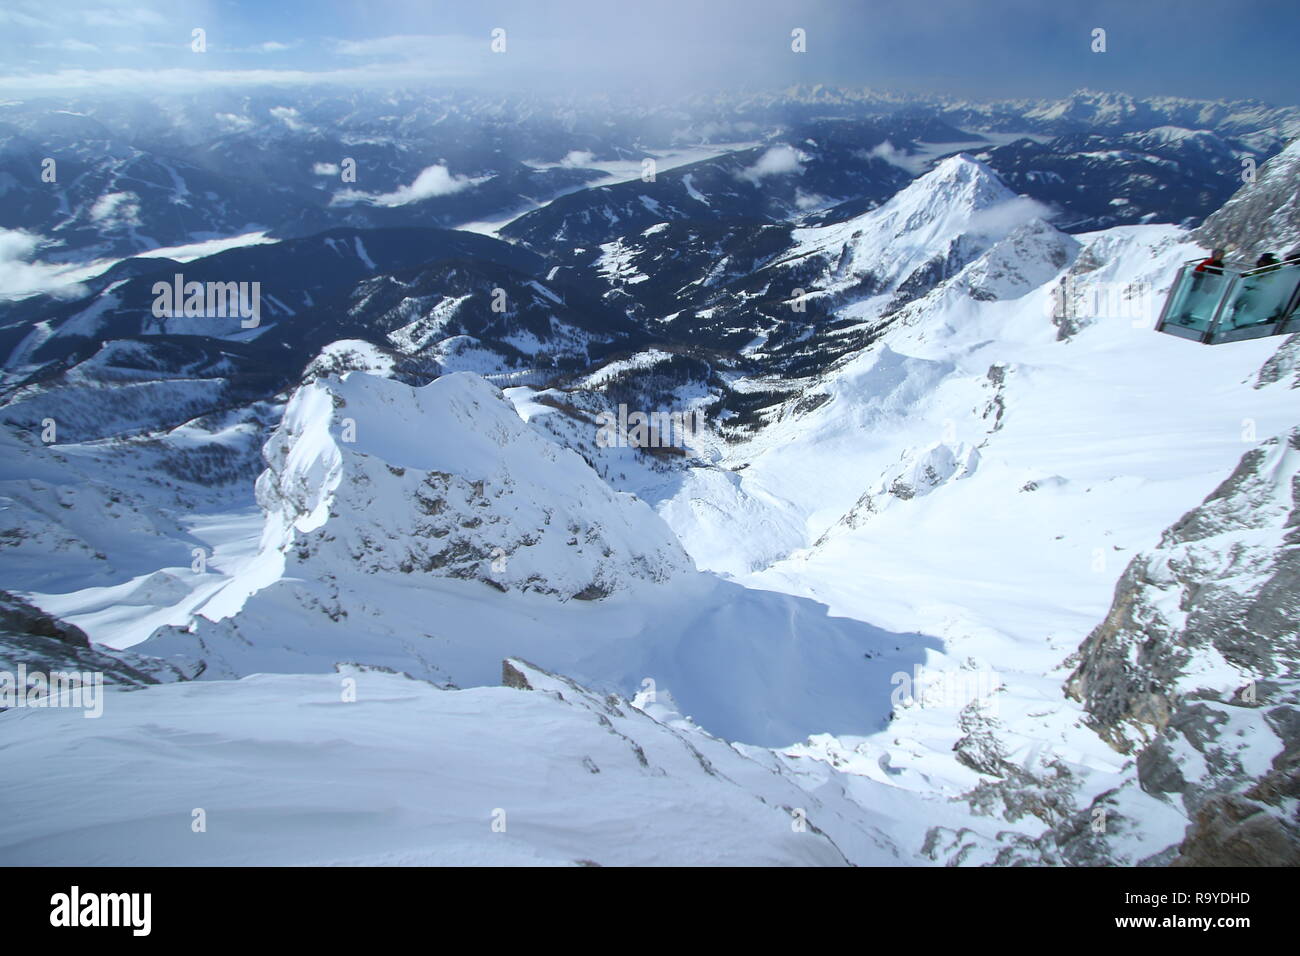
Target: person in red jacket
x=1214 y=264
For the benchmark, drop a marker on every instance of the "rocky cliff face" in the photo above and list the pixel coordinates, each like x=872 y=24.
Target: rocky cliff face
x=45 y=644
x=1196 y=669
x=371 y=476
x=1263 y=216
x=1195 y=675
x=1284 y=365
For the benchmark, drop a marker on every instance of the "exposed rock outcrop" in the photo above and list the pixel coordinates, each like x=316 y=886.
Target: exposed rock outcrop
x=1263 y=216
x=47 y=645
x=1196 y=669
x=370 y=475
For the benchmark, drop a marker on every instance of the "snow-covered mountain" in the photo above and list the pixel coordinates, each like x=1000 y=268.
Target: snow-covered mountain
x=140 y=173
x=433 y=531
x=923 y=235
x=476 y=494
x=962 y=564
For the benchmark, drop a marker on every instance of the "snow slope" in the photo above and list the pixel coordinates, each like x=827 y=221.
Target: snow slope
x=286 y=770
x=982 y=475
x=450 y=535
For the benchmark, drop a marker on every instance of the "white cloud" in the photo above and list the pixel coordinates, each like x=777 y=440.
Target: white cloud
x=69 y=45
x=18 y=244
x=186 y=80
x=325 y=169
x=232 y=123
x=778 y=161
x=432 y=181
x=403 y=46
x=19 y=19
x=290 y=117
x=269 y=46
x=120 y=16
x=1003 y=218
x=20 y=277
x=890 y=154
x=116 y=209
x=806 y=201
x=578 y=157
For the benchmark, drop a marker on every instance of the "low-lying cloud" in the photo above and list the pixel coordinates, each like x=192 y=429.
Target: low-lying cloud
x=578 y=157
x=892 y=155
x=21 y=275
x=433 y=181
x=780 y=160
x=116 y=210
x=1006 y=217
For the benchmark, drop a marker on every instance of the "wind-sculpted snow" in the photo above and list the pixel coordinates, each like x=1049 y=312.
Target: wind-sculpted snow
x=293 y=772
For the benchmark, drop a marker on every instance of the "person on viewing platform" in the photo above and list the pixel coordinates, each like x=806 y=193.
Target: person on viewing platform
x=1213 y=265
x=1257 y=302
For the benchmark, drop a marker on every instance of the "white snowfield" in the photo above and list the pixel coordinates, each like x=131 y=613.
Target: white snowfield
x=287 y=770
x=957 y=511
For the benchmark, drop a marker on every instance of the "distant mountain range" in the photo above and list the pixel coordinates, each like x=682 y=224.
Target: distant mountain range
x=134 y=175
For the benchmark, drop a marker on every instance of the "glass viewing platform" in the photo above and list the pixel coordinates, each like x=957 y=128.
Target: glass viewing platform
x=1229 y=304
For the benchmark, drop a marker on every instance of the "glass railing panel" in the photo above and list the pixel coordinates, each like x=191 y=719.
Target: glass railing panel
x=1196 y=299
x=1174 y=305
x=1259 y=298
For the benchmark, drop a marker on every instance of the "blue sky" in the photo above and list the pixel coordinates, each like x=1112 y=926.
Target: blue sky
x=979 y=48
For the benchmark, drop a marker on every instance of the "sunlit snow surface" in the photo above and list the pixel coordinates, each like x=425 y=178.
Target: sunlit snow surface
x=282 y=770
x=1037 y=467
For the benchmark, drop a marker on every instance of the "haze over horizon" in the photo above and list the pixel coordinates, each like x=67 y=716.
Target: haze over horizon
x=946 y=47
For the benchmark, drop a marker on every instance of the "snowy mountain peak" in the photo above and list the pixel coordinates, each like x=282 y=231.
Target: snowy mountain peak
x=924 y=234
x=963 y=170
x=954 y=190
x=1088 y=105
x=369 y=474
